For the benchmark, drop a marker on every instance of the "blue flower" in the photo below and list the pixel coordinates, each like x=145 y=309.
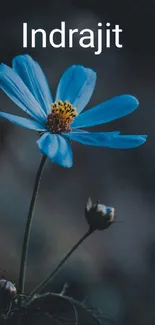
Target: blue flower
x=60 y=121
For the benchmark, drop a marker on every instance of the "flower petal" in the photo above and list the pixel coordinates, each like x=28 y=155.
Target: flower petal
x=33 y=77
x=57 y=148
x=76 y=85
x=126 y=141
x=108 y=111
x=92 y=138
x=24 y=122
x=14 y=87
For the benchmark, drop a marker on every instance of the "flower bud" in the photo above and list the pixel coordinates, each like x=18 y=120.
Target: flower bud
x=8 y=287
x=99 y=216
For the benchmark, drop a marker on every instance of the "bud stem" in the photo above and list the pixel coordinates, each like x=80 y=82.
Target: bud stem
x=50 y=277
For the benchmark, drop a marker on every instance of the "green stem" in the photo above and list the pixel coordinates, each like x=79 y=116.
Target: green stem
x=23 y=263
x=50 y=277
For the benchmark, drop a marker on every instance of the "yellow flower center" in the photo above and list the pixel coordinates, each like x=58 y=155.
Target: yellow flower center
x=61 y=116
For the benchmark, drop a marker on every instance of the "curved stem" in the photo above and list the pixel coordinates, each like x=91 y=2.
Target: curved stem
x=28 y=227
x=50 y=277
x=44 y=297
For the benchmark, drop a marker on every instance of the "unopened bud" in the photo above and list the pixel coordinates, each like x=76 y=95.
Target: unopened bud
x=99 y=216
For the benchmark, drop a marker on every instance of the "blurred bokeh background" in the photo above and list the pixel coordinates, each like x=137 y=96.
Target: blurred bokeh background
x=114 y=269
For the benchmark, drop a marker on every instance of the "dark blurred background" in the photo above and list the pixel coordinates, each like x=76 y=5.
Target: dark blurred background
x=115 y=269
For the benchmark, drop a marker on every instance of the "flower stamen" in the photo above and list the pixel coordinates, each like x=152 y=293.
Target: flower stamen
x=61 y=116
